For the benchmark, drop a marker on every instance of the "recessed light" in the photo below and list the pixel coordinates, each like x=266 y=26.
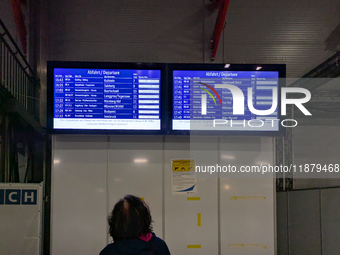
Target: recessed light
x=140 y=160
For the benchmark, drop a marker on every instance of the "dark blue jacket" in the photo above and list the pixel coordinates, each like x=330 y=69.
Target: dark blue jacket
x=155 y=246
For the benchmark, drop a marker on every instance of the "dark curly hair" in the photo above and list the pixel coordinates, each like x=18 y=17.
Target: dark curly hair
x=129 y=219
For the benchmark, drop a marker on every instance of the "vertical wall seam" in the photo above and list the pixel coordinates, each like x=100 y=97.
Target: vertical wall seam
x=283 y=163
x=163 y=188
x=275 y=198
x=52 y=192
x=107 y=185
x=218 y=199
x=288 y=236
x=320 y=209
x=42 y=216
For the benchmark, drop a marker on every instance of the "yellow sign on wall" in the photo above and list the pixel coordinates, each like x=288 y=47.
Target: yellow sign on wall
x=184 y=180
x=183 y=165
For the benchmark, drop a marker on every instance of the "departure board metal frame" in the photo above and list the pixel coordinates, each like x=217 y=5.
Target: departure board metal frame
x=55 y=65
x=280 y=68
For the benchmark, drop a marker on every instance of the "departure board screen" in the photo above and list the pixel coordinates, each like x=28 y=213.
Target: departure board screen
x=204 y=100
x=107 y=99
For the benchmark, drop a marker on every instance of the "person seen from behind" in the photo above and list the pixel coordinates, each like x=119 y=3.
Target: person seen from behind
x=130 y=226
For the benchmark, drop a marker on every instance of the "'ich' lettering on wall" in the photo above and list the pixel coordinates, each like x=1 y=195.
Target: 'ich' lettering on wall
x=18 y=197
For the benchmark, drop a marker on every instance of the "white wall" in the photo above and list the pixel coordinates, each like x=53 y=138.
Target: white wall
x=180 y=216
x=127 y=176
x=79 y=200
x=247 y=205
x=90 y=173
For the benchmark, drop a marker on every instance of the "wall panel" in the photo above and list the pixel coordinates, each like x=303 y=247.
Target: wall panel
x=135 y=167
x=330 y=211
x=182 y=233
x=78 y=220
x=304 y=223
x=247 y=204
x=282 y=222
x=90 y=173
x=316 y=144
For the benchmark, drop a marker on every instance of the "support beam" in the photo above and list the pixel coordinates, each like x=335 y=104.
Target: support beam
x=219 y=25
x=20 y=21
x=328 y=69
x=328 y=96
x=285 y=156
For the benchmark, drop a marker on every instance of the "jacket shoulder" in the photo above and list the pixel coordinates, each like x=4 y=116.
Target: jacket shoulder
x=158 y=246
x=107 y=250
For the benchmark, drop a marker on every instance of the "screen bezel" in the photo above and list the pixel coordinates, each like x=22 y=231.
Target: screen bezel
x=280 y=68
x=51 y=65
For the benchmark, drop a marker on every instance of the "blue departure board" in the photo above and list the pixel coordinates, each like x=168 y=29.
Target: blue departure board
x=107 y=99
x=200 y=97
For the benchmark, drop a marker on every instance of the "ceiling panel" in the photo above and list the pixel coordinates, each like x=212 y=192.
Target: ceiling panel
x=290 y=32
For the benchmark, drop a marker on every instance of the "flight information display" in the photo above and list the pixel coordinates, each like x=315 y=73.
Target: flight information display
x=204 y=100
x=108 y=99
